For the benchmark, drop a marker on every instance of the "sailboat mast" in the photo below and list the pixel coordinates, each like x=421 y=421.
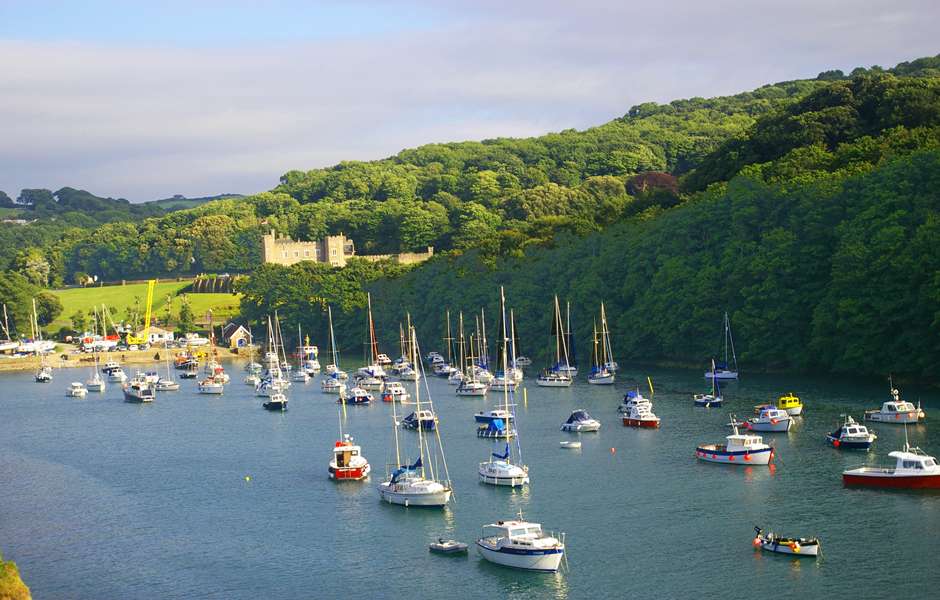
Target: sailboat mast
x=512 y=328
x=605 y=334
x=450 y=342
x=329 y=313
x=461 y=346
x=418 y=416
x=373 y=345
x=485 y=350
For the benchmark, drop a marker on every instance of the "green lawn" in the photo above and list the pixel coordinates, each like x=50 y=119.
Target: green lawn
x=120 y=297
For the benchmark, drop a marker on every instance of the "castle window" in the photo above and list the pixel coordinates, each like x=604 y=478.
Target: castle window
x=296 y=254
x=306 y=253
x=284 y=254
x=333 y=252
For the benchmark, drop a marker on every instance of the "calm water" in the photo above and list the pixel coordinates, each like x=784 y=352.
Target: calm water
x=104 y=499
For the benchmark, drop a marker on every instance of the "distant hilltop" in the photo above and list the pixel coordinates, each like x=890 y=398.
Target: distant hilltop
x=180 y=202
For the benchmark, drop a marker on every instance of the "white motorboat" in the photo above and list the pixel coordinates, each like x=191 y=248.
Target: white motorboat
x=632 y=399
x=408 y=374
x=371 y=383
x=425 y=419
x=252 y=379
x=442 y=546
x=138 y=390
x=770 y=420
x=357 y=395
x=913 y=470
x=521 y=545
x=641 y=415
x=76 y=390
x=487 y=416
x=117 y=375
x=395 y=392
x=570 y=444
x=895 y=411
x=851 y=435
x=300 y=376
x=211 y=386
x=276 y=402
x=741 y=449
x=44 y=374
x=580 y=421
x=522 y=361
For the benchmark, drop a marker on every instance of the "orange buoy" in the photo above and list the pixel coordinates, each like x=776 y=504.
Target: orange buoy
x=613 y=451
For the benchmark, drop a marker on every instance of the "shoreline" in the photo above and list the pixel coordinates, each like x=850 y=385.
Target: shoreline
x=86 y=359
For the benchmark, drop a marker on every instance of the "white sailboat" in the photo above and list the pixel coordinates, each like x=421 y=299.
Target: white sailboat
x=558 y=375
x=373 y=375
x=722 y=370
x=501 y=469
x=417 y=484
x=469 y=384
x=601 y=359
x=332 y=381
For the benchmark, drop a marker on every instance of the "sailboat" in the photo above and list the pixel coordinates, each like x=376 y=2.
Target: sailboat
x=500 y=469
x=373 y=375
x=332 y=381
x=600 y=354
x=456 y=374
x=273 y=381
x=714 y=398
x=300 y=375
x=441 y=367
x=558 y=375
x=721 y=370
x=95 y=383
x=254 y=369
x=468 y=384
x=417 y=484
x=44 y=373
x=571 y=366
x=167 y=384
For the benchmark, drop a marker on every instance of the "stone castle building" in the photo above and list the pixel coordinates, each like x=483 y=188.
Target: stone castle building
x=333 y=250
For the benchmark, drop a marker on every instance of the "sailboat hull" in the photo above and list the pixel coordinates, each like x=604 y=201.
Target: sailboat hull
x=721 y=374
x=430 y=499
x=601 y=380
x=502 y=473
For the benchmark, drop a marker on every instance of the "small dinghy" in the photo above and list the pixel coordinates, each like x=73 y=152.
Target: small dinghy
x=442 y=546
x=771 y=542
x=570 y=445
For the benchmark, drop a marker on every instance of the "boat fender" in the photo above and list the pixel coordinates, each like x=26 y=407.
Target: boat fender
x=756 y=542
x=795 y=546
x=836 y=443
x=747 y=457
x=773 y=421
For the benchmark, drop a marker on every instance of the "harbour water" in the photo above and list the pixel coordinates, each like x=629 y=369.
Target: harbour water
x=103 y=499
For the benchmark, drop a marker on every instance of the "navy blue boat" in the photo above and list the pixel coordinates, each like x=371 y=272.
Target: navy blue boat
x=851 y=436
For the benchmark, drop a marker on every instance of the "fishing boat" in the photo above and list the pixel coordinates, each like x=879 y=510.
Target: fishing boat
x=76 y=390
x=559 y=374
x=139 y=391
x=425 y=419
x=601 y=354
x=722 y=370
x=641 y=415
x=851 y=436
x=347 y=463
x=580 y=421
x=442 y=546
x=43 y=374
x=770 y=420
x=417 y=484
x=713 y=399
x=395 y=392
x=772 y=542
x=895 y=411
x=356 y=395
x=790 y=403
x=504 y=467
x=913 y=470
x=740 y=449
x=521 y=545
x=212 y=386
x=277 y=402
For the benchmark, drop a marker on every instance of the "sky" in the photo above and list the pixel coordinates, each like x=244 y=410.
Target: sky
x=145 y=100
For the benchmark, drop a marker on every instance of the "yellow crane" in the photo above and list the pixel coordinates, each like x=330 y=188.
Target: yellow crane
x=143 y=336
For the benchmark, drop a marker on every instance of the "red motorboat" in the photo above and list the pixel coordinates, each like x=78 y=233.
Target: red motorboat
x=641 y=415
x=347 y=461
x=914 y=470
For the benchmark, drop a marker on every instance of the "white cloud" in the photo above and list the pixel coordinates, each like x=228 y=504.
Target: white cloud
x=144 y=121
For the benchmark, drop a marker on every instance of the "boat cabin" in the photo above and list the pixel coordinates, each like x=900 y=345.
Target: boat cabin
x=513 y=529
x=895 y=406
x=788 y=401
x=913 y=460
x=743 y=441
x=344 y=453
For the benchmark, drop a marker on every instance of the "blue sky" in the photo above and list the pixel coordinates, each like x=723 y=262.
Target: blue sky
x=144 y=100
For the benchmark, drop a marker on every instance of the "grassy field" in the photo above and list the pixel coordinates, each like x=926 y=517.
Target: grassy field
x=121 y=297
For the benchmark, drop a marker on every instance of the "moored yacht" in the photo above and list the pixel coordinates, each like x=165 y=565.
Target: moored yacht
x=276 y=402
x=851 y=435
x=138 y=390
x=500 y=470
x=770 y=420
x=76 y=390
x=741 y=449
x=581 y=421
x=894 y=411
x=641 y=415
x=425 y=419
x=521 y=545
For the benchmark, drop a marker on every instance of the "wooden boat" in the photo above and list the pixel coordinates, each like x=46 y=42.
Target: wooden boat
x=771 y=542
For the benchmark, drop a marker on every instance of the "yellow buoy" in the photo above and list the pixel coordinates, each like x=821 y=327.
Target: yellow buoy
x=247 y=477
